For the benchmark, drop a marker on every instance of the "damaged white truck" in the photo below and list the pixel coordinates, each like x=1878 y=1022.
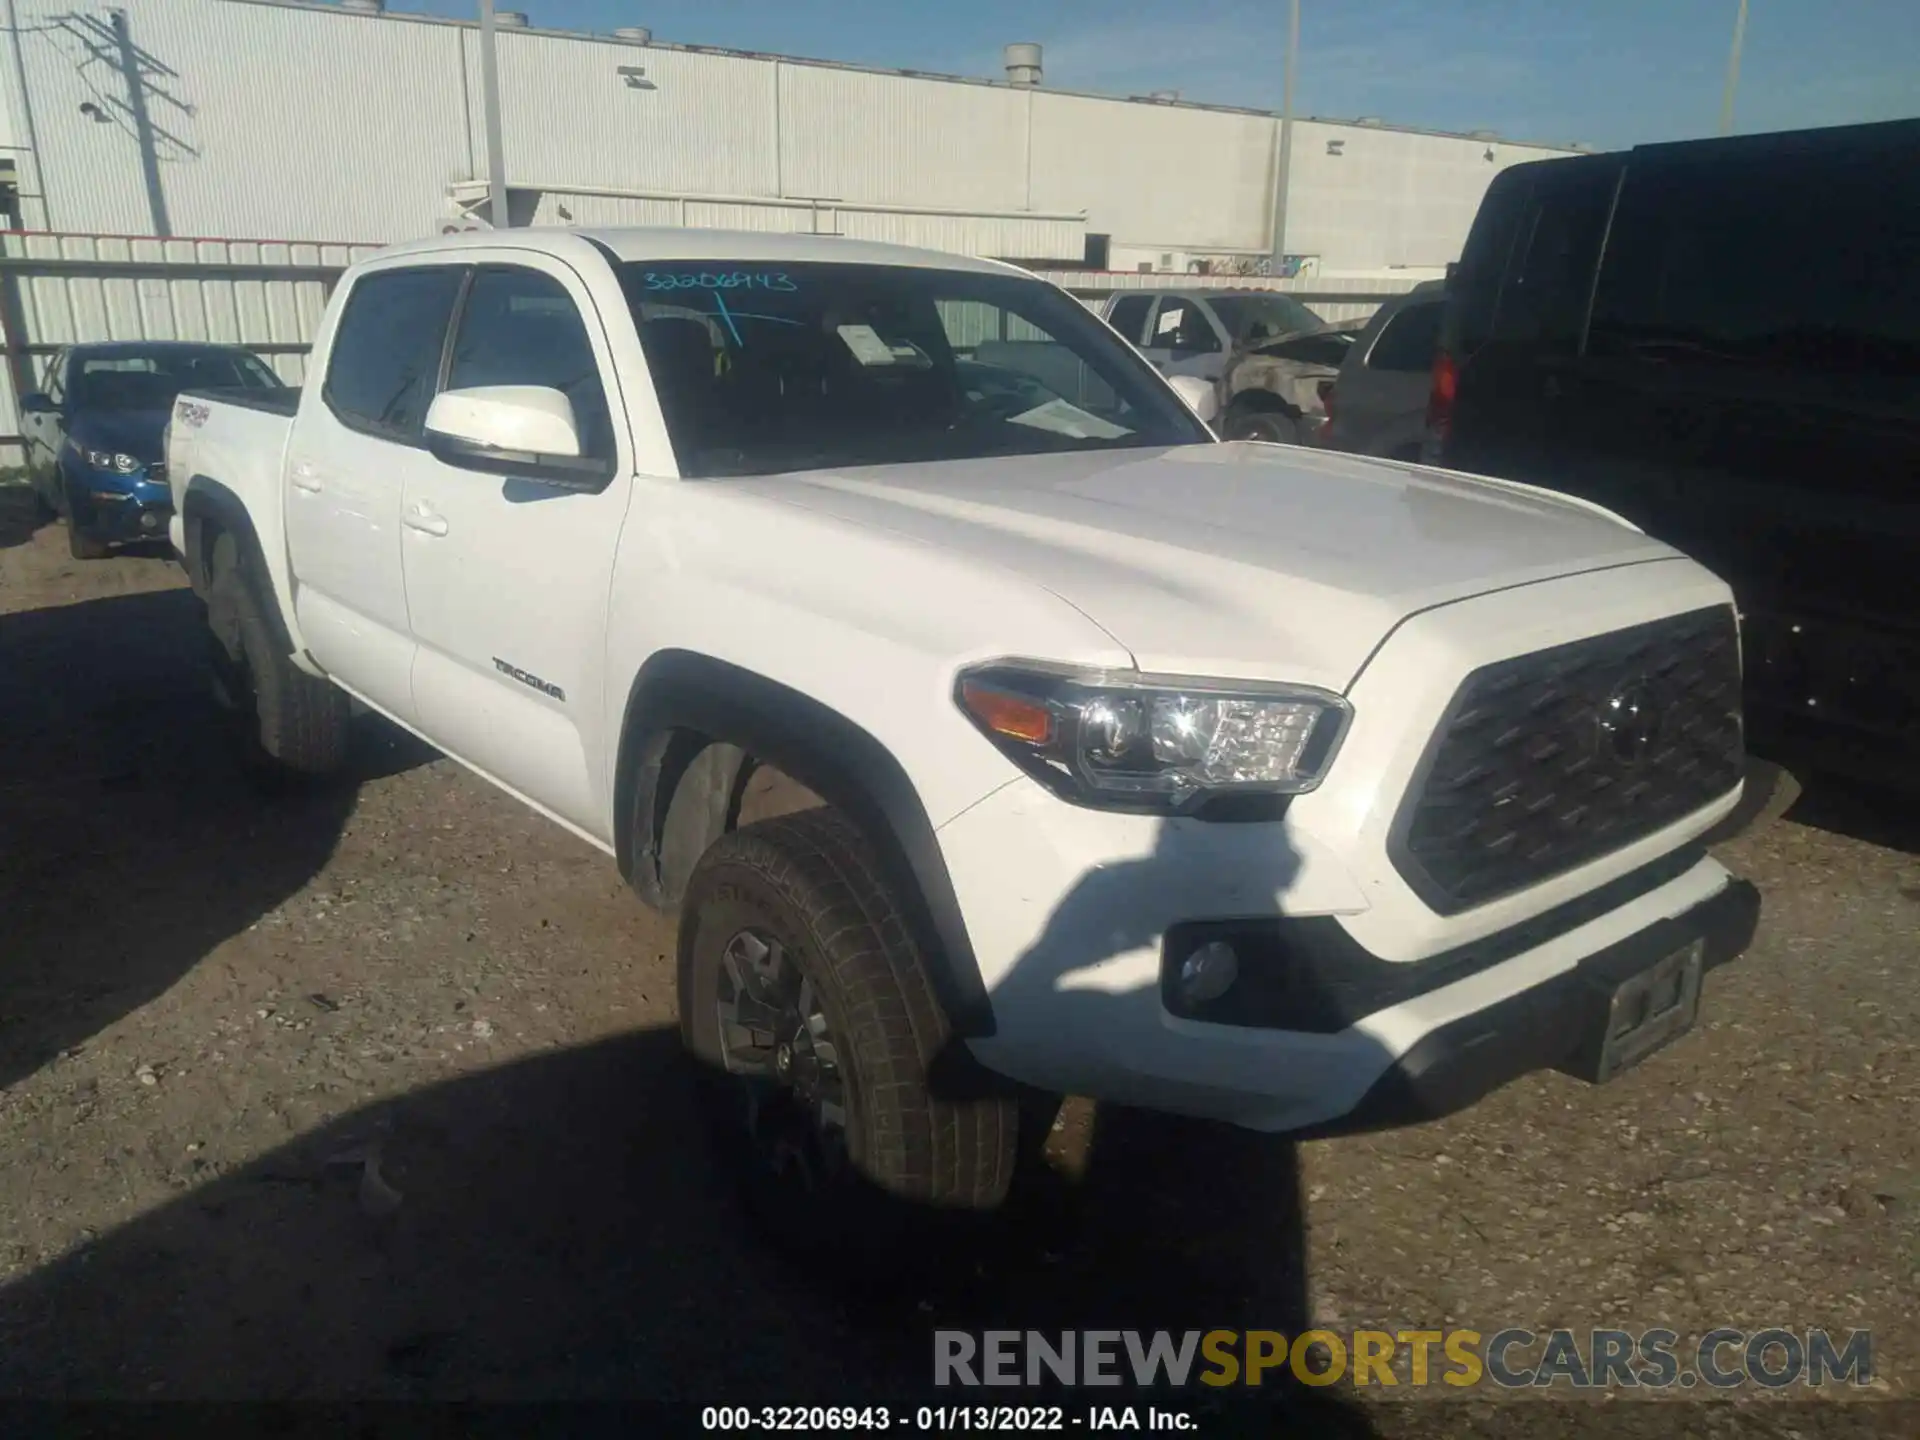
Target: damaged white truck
x=1301 y=791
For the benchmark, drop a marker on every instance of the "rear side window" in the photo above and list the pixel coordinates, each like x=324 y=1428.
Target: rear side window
x=1129 y=316
x=1550 y=275
x=1409 y=340
x=520 y=327
x=1474 y=289
x=386 y=353
x=1694 y=273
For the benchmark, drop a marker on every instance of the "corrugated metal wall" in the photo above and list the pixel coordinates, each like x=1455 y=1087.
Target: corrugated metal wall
x=266 y=120
x=1156 y=175
x=302 y=121
x=274 y=314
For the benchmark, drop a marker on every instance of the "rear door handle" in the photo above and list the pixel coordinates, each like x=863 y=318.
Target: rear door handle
x=419 y=517
x=305 y=477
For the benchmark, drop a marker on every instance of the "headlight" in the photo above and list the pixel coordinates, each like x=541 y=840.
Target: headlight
x=112 y=460
x=1161 y=744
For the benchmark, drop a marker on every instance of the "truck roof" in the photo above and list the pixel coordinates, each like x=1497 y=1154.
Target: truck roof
x=676 y=243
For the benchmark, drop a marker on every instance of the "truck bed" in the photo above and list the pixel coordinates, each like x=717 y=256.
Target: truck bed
x=283 y=401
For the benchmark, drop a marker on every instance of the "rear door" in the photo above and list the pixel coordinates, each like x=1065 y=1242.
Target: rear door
x=1765 y=416
x=347 y=463
x=507 y=579
x=1380 y=399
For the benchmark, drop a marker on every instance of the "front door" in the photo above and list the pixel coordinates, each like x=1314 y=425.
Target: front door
x=44 y=431
x=1182 y=339
x=507 y=580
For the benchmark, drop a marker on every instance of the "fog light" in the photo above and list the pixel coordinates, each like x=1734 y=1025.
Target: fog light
x=149 y=521
x=1208 y=973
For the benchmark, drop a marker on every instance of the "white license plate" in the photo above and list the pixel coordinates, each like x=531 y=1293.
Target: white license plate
x=1651 y=1010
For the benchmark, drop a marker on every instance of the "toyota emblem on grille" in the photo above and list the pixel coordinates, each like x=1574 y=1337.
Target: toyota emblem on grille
x=1629 y=723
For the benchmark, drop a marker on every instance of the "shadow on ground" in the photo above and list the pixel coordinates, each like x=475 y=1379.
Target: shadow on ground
x=130 y=846
x=554 y=1230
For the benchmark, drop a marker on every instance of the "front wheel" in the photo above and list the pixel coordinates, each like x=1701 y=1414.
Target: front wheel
x=83 y=546
x=809 y=1009
x=1271 y=426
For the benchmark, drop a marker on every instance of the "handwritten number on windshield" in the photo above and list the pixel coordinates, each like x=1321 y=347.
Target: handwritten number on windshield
x=722 y=280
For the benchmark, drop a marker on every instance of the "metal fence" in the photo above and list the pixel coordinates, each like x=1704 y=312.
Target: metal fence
x=58 y=290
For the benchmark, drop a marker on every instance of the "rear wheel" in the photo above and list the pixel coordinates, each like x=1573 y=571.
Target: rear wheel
x=809 y=1009
x=285 y=721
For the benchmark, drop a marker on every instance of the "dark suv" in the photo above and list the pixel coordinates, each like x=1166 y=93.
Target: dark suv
x=1721 y=341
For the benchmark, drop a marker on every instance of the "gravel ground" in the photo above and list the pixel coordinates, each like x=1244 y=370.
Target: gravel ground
x=375 y=1094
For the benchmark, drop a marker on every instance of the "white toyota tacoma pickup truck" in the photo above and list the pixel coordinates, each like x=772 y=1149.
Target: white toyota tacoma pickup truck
x=1303 y=791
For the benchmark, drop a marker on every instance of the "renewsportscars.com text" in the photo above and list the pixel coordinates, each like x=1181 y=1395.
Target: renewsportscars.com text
x=1596 y=1359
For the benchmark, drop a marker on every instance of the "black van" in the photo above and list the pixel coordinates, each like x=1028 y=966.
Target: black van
x=1720 y=340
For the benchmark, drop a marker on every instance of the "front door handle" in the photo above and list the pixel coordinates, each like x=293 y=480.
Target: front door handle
x=419 y=517
x=305 y=477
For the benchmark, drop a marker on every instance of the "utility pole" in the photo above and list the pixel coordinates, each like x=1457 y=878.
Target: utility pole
x=490 y=101
x=1733 y=70
x=1283 y=165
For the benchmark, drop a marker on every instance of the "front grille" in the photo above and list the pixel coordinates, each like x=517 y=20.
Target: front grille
x=1550 y=760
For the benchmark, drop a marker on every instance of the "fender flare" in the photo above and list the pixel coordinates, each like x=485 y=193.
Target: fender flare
x=207 y=499
x=683 y=708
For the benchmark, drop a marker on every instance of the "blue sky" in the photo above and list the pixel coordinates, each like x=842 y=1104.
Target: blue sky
x=1607 y=72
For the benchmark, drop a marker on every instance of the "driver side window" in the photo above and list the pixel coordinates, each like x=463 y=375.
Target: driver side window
x=1182 y=327
x=521 y=327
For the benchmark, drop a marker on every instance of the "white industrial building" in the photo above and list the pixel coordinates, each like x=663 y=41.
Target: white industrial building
x=265 y=119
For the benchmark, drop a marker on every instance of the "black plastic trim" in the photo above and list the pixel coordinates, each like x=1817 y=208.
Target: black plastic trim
x=1311 y=975
x=207 y=498
x=680 y=691
x=284 y=401
x=1540 y=1029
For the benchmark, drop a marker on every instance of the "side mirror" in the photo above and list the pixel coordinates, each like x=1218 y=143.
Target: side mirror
x=526 y=432
x=37 y=404
x=1199 y=394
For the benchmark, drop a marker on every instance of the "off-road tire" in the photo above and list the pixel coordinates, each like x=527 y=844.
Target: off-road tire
x=921 y=1170
x=286 y=722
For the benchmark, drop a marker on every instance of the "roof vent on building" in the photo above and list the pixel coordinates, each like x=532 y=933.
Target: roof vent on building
x=1163 y=95
x=365 y=7
x=1369 y=120
x=510 y=19
x=1023 y=64
x=639 y=34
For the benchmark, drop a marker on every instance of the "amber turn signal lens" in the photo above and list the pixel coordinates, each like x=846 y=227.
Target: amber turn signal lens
x=1013 y=716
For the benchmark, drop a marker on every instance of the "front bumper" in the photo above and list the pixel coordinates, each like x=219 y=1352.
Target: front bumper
x=1545 y=1028
x=119 y=508
x=1075 y=951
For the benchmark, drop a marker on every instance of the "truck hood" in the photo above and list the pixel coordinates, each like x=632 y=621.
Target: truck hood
x=1242 y=560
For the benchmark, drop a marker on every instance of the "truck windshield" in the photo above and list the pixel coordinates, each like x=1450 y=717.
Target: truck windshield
x=764 y=368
